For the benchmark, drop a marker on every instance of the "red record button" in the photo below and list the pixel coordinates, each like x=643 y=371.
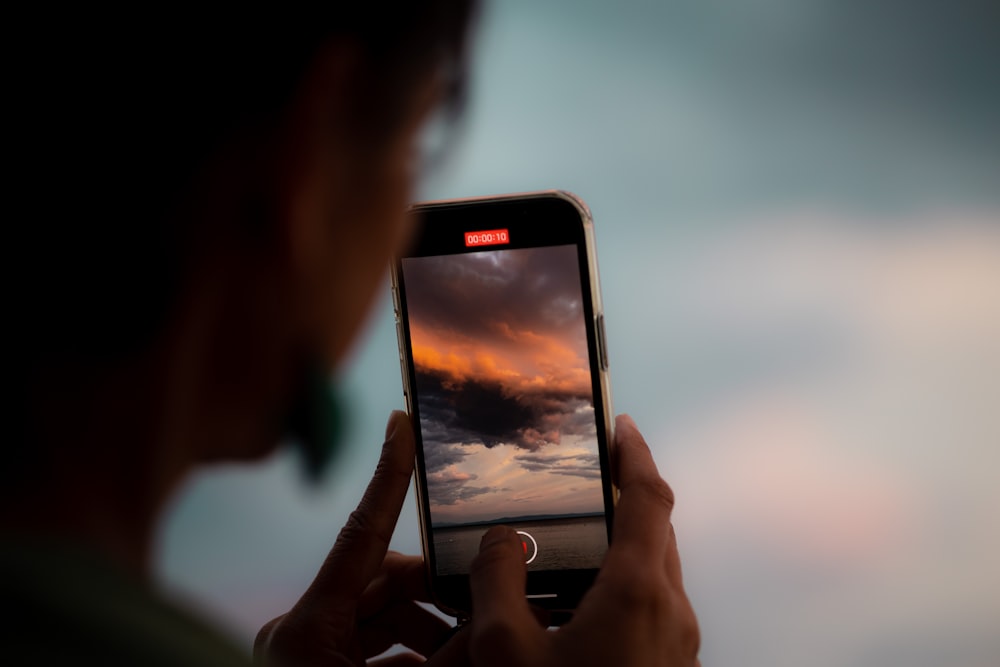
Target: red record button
x=530 y=546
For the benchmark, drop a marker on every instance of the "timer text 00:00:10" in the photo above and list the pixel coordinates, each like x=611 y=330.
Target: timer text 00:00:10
x=488 y=237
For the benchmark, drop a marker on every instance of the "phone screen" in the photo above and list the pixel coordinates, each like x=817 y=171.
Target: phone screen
x=504 y=393
x=500 y=330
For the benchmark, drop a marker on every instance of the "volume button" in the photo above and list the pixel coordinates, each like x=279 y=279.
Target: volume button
x=602 y=344
x=399 y=337
x=402 y=366
x=406 y=385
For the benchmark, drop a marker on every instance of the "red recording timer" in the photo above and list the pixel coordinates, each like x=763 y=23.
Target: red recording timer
x=488 y=237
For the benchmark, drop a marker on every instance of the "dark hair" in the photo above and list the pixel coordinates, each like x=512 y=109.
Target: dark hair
x=107 y=130
x=111 y=125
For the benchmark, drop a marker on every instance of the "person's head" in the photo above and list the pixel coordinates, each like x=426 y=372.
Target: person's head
x=231 y=189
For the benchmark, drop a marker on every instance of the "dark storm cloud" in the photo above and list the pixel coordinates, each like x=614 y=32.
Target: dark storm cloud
x=578 y=471
x=449 y=488
x=534 y=289
x=484 y=411
x=481 y=412
x=438 y=454
x=587 y=466
x=545 y=461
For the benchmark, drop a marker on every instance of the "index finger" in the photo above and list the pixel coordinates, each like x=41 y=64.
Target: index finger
x=361 y=546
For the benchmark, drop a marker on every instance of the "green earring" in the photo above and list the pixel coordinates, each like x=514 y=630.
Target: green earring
x=315 y=422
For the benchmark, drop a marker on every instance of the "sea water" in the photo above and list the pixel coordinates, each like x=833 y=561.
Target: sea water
x=567 y=543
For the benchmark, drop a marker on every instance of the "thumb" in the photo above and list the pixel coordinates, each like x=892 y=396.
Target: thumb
x=502 y=622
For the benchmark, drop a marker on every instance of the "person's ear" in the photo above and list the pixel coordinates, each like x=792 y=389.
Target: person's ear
x=312 y=155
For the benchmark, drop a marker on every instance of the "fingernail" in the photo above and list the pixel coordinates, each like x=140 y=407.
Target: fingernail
x=494 y=535
x=628 y=420
x=390 y=426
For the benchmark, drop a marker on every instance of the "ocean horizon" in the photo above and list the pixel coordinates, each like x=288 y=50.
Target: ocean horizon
x=563 y=542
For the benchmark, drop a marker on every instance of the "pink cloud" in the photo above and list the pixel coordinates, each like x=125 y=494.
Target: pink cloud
x=769 y=471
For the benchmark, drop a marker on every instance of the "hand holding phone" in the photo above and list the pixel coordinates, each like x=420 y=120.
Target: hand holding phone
x=636 y=613
x=364 y=599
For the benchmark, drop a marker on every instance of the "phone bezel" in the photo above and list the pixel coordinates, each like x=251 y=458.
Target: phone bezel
x=541 y=219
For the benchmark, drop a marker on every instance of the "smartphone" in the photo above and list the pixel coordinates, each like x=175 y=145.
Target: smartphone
x=505 y=376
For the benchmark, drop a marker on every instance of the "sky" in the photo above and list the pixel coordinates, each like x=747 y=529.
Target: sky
x=503 y=384
x=797 y=212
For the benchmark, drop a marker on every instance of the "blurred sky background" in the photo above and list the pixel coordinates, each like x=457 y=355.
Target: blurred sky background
x=797 y=206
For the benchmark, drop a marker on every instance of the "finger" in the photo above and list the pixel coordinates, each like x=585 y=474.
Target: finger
x=401 y=660
x=405 y=623
x=263 y=638
x=638 y=470
x=546 y=618
x=454 y=652
x=672 y=562
x=502 y=621
x=642 y=516
x=401 y=578
x=362 y=543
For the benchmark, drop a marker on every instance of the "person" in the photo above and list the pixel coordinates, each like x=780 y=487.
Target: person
x=206 y=208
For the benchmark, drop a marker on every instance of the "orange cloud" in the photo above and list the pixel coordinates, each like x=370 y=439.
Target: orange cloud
x=521 y=361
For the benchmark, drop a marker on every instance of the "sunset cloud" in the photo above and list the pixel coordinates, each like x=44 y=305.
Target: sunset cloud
x=448 y=487
x=485 y=295
x=584 y=465
x=499 y=345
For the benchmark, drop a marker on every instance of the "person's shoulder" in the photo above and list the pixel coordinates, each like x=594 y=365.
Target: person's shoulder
x=66 y=604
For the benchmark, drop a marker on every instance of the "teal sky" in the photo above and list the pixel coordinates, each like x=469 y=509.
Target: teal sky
x=797 y=206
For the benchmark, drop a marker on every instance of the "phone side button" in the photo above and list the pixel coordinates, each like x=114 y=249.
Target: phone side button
x=602 y=344
x=402 y=373
x=399 y=336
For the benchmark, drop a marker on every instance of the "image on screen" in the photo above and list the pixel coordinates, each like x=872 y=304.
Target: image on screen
x=503 y=389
